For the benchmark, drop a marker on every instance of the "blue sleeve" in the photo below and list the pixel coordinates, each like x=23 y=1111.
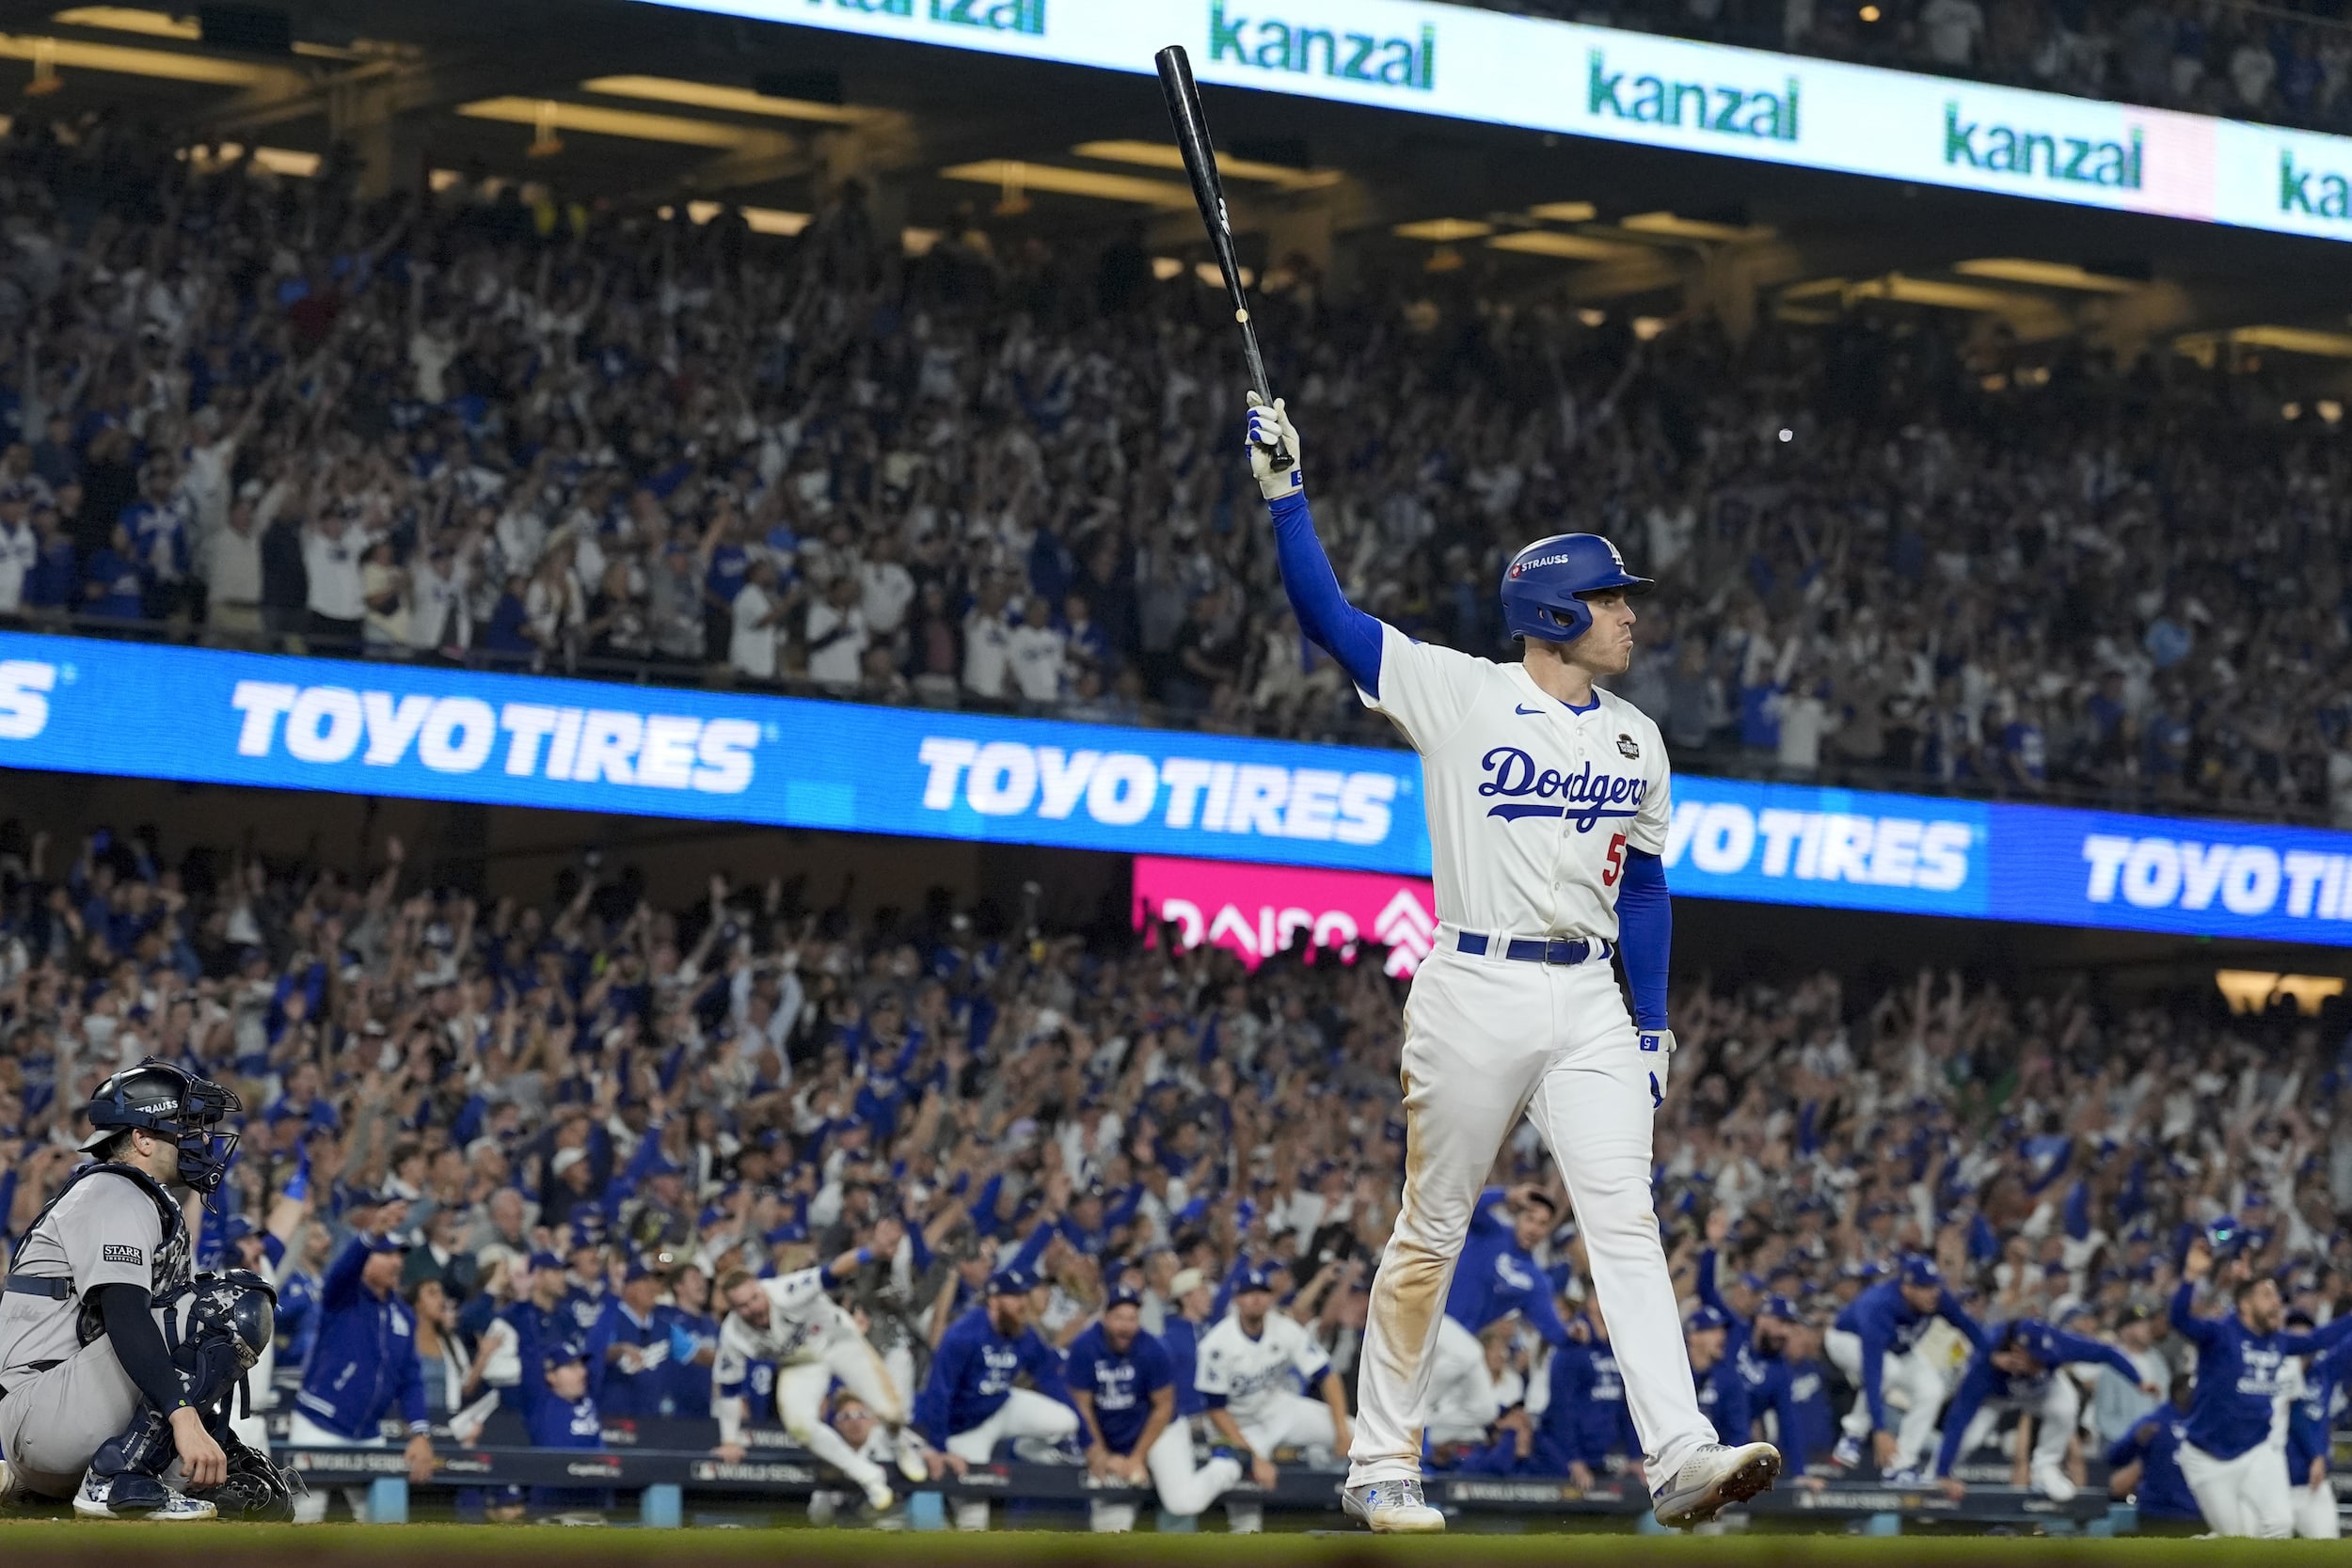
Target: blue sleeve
x=1966 y=1400
x=2186 y=1323
x=1953 y=1313
x=1875 y=1339
x=1124 y=1212
x=1341 y=630
x=600 y=1342
x=1782 y=1395
x=2075 y=1347
x=340 y=1288
x=1543 y=1316
x=2131 y=1447
x=1645 y=930
x=1482 y=1217
x=1709 y=1295
x=2319 y=1340
x=1041 y=1237
x=412 y=1387
x=931 y=1405
x=1044 y=1363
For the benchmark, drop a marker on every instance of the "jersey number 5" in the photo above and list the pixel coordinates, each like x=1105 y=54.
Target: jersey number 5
x=1617 y=860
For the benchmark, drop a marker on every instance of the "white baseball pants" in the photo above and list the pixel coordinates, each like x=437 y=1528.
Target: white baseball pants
x=1488 y=1041
x=2246 y=1496
x=1023 y=1413
x=1186 y=1488
x=2314 y=1509
x=2054 y=1414
x=1280 y=1419
x=1917 y=1379
x=310 y=1506
x=1462 y=1402
x=801 y=1385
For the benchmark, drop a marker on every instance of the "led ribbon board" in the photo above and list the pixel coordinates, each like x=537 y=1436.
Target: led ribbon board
x=74 y=704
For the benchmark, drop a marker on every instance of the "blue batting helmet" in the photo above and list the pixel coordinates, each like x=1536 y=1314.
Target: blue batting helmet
x=1544 y=586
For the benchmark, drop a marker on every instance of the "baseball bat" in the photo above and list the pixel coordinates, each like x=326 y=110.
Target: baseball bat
x=1200 y=154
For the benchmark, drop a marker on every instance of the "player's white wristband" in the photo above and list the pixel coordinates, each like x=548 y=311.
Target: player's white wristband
x=1657 y=1041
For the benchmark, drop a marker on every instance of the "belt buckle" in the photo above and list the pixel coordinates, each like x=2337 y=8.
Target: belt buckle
x=1564 y=950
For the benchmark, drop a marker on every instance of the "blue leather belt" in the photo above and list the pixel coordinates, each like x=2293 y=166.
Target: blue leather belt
x=1536 y=950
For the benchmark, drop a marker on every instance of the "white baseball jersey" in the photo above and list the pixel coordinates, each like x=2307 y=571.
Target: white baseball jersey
x=1250 y=1373
x=1531 y=804
x=801 y=1321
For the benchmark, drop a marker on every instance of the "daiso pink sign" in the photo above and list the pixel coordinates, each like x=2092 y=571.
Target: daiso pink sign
x=1257 y=911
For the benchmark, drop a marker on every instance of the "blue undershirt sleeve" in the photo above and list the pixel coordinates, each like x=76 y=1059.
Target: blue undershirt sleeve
x=1341 y=630
x=1645 y=928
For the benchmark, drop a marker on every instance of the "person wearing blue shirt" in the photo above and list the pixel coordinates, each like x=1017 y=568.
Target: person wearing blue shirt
x=629 y=1349
x=1739 y=1325
x=1126 y=1395
x=2243 y=1375
x=539 y=1321
x=364 y=1365
x=2311 y=1440
x=1795 y=1391
x=2143 y=1467
x=2017 y=1369
x=564 y=1416
x=969 y=1405
x=694 y=1346
x=1587 y=1419
x=112 y=584
x=1873 y=1343
x=1723 y=1392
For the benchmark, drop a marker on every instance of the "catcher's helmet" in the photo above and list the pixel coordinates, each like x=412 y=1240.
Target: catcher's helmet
x=1544 y=586
x=158 y=1098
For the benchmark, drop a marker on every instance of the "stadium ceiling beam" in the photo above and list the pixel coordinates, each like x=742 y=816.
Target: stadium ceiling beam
x=882 y=143
x=390 y=85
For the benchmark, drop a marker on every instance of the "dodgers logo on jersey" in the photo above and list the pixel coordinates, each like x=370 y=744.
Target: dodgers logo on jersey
x=1587 y=796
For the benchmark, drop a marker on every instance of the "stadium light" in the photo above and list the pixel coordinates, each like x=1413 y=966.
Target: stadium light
x=741 y=100
x=162 y=24
x=1674 y=228
x=1566 y=247
x=123 y=60
x=544 y=115
x=1443 y=230
x=1012 y=173
x=1166 y=155
x=2252 y=990
x=2047 y=275
x=1565 y=212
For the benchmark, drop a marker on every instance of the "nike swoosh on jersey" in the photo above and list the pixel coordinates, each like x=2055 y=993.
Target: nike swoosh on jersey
x=1523 y=708
x=1513 y=813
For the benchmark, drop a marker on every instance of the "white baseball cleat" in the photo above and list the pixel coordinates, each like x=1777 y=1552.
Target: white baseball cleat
x=912 y=1463
x=1391 y=1508
x=131 y=1497
x=9 y=1490
x=878 y=1497
x=1713 y=1479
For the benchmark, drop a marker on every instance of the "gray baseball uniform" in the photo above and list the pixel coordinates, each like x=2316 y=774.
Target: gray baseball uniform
x=67 y=1393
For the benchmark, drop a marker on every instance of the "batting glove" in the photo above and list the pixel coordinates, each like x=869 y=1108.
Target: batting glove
x=1270 y=427
x=1658 y=1041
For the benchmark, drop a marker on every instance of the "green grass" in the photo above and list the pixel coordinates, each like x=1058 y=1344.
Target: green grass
x=132 y=1545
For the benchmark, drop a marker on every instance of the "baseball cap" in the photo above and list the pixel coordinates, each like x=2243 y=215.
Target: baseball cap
x=237 y=1227
x=563 y=1353
x=1124 y=1296
x=1252 y=1278
x=546 y=1261
x=1918 y=1270
x=392 y=1240
x=1705 y=1319
x=1186 y=1282
x=790 y=1233
x=1778 y=1307
x=1011 y=1280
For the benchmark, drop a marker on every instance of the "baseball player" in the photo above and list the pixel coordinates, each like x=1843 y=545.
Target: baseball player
x=1498 y=1275
x=1547 y=805
x=365 y=1367
x=1245 y=1364
x=1125 y=1394
x=1794 y=1395
x=2144 y=1466
x=792 y=1324
x=1186 y=1487
x=968 y=1404
x=1875 y=1343
x=2310 y=1439
x=1723 y=1389
x=2233 y=1445
x=117 y=1369
x=2017 y=1369
x=1587 y=1419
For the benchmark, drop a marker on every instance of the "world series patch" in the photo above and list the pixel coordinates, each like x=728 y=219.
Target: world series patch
x=1628 y=746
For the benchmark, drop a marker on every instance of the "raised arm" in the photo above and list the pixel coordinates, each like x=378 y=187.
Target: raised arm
x=1341 y=630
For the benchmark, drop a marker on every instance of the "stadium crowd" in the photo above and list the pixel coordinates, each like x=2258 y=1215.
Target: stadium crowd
x=529 y=433
x=2282 y=64
x=588 y=1129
